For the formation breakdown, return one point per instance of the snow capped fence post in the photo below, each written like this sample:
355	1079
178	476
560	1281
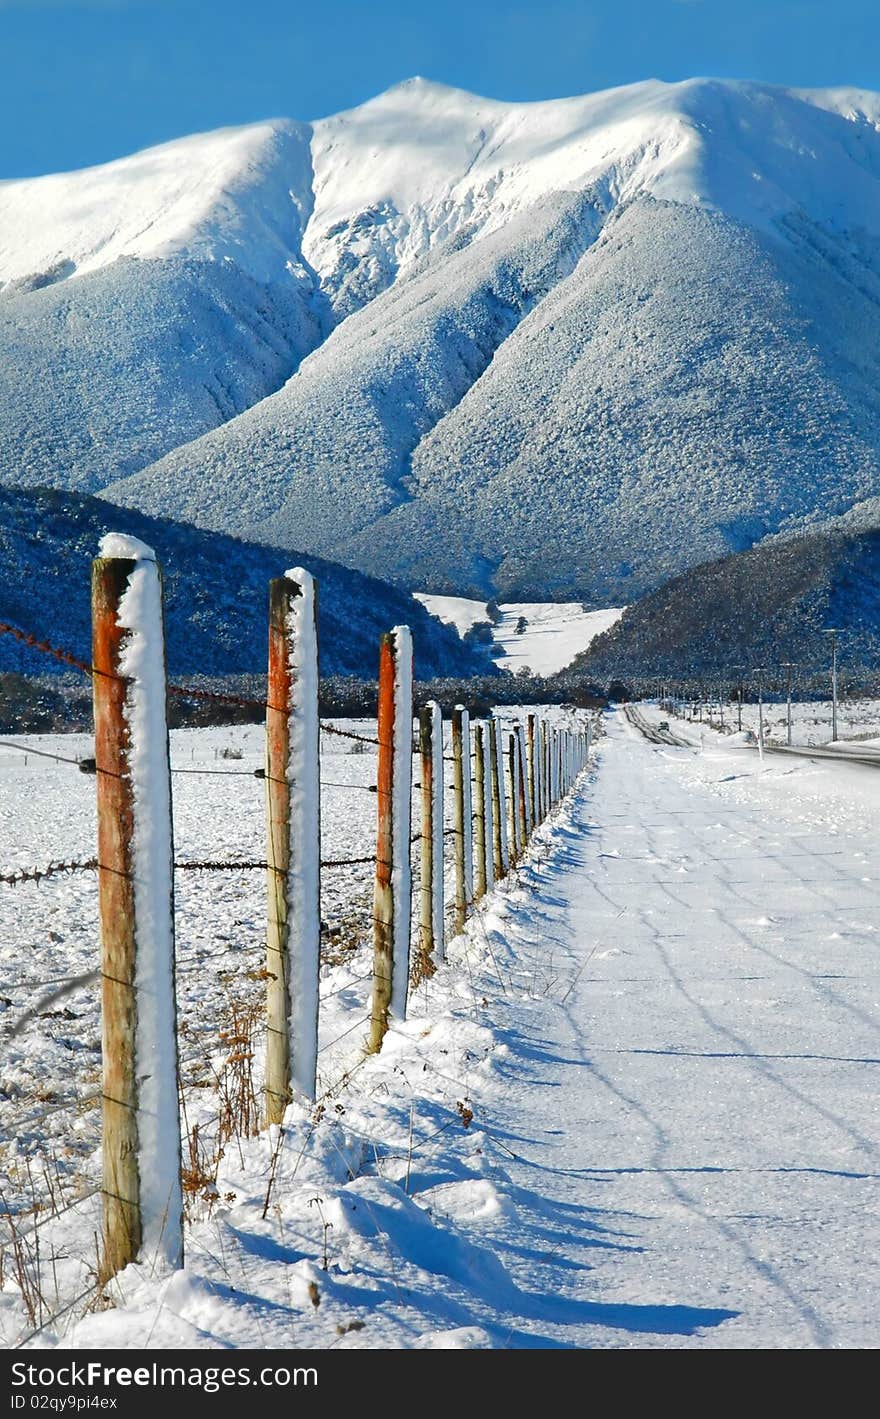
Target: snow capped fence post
142	1199
542	757
488	814
462	810
589	741
293	820
480	854
499	800
525	827
534	813
392	900
513	804
539	773
431	899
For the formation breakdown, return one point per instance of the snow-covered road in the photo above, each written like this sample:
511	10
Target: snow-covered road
697	1105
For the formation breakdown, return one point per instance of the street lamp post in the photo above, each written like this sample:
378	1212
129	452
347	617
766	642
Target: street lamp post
788	665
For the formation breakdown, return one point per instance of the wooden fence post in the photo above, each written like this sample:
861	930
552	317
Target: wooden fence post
142	1198
545	786
462	814
480	845
392	901
499	801
513	836
488	810
431	903
534	812
293	822
525	811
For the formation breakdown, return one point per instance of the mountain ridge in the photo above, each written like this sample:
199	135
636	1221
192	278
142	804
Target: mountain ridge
508	342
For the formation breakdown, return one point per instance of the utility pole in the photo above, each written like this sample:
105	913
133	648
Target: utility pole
788	666
833	632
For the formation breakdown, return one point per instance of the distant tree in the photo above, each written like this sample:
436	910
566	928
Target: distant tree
522	626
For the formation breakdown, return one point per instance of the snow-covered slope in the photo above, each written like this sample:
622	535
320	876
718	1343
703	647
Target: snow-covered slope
541	636
216	591
147	301
555	349
762	607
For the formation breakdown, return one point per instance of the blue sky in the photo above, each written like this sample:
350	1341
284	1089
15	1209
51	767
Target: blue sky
88	80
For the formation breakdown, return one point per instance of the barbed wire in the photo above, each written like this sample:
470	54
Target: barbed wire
190	692
348	734
37	874
46	648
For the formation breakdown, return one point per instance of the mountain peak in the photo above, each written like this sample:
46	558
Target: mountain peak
565	347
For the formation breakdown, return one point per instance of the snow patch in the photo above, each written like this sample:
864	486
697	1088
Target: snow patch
120	544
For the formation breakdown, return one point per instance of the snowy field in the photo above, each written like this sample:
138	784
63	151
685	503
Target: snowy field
541	636
49	1105
636	1109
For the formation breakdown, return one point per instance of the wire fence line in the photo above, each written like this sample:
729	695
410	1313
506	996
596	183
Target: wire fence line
215	1053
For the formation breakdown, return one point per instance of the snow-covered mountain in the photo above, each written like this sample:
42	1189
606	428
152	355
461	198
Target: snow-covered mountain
564	349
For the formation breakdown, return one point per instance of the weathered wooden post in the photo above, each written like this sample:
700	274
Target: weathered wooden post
500	858
488	811
462	821
525	808
431	900
141	1187
293	848
534	810
513	837
542	760
480	853
392	899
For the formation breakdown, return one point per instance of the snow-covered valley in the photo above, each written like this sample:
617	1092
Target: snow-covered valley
543	637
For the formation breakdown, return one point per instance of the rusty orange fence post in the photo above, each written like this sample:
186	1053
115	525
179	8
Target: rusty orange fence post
293	846
392	900
141	1185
